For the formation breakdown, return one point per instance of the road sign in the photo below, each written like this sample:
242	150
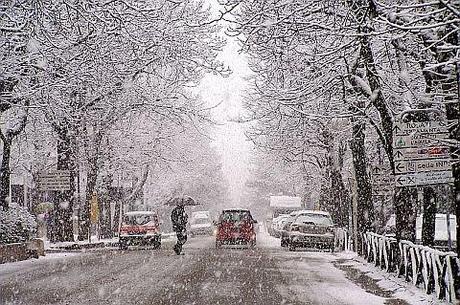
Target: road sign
428	127
382	190
382	181
378	170
419	140
419	154
435	152
424	178
417	166
54	180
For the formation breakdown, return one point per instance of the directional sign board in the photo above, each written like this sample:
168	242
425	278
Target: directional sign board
54	180
428	127
421	157
382	182
435	152
417	166
424	178
419	140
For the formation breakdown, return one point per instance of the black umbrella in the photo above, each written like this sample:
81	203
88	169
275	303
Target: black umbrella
185	200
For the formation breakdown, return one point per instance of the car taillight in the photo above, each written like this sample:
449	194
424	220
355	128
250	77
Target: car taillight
151	229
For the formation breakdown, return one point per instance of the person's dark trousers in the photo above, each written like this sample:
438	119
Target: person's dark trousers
181	239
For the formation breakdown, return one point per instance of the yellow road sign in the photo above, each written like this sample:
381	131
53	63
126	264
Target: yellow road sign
94	208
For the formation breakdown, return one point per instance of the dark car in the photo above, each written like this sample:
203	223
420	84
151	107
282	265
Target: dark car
235	227
312	229
140	228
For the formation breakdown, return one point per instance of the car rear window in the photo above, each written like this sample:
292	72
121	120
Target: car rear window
139	219
200	221
236	216
317	219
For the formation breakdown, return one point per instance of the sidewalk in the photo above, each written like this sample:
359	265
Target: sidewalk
95	243
381	283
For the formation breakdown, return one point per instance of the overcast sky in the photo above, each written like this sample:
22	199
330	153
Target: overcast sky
229	138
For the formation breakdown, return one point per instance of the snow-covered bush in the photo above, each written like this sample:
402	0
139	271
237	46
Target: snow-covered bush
16	225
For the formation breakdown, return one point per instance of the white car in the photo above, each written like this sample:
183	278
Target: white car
277	224
311	229
201	224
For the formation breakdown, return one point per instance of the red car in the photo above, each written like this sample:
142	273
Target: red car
140	228
235	226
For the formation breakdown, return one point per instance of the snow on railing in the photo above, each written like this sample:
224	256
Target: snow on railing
343	240
433	270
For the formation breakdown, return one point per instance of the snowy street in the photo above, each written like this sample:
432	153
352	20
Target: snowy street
204	275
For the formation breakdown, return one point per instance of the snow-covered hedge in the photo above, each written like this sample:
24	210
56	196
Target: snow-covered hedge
16	225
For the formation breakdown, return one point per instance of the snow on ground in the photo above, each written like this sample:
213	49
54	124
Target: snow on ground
311	271
15	266
308	272
165	237
400	288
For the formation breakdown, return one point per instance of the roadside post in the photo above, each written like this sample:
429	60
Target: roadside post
94	217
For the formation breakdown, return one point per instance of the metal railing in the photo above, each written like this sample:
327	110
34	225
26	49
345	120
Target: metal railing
432	270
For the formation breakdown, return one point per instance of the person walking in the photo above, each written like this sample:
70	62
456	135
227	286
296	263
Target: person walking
179	222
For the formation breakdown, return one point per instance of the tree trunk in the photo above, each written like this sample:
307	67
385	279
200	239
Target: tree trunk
406	213
429	216
5	173
116	215
105	215
365	217
85	220
63	204
93	150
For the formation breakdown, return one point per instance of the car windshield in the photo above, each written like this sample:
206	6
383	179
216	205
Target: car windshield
236	216
317	219
200	221
139	219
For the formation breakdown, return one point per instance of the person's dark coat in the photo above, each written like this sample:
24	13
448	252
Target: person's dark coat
179	222
179	219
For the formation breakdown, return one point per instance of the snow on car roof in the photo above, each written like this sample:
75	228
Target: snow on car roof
313	212
235	209
201	214
285	202
135	213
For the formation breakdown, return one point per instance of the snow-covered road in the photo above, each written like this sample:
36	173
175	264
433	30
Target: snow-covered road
204	275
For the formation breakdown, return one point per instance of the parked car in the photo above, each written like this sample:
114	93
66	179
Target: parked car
140	228
235	226
440	236
200	224
284	232
277	224
312	229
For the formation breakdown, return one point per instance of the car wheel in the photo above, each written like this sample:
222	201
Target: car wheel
291	247
253	243
332	249
218	244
